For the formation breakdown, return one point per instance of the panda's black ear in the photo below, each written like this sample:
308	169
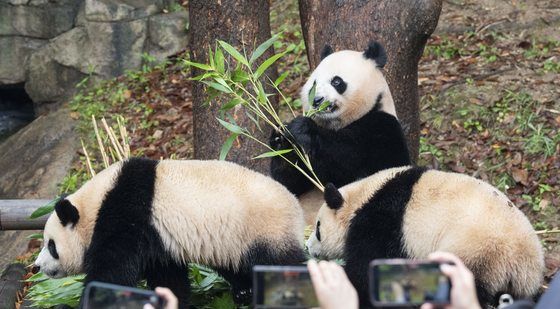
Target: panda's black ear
332	196
327	50
66	212
376	52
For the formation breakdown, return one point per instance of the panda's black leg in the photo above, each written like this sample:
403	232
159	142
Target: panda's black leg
170	275
241	284
113	266
357	270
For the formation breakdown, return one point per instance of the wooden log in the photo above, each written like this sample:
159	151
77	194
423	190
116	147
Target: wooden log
14	215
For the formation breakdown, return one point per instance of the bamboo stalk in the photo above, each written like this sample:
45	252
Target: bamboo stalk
88	160
546	232
100	143
112	138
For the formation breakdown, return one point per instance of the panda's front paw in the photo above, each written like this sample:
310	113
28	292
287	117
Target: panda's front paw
302	129
277	141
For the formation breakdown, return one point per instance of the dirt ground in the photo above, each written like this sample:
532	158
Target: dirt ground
490	107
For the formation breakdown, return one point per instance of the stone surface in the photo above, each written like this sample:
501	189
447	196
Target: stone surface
117	47
97	38
37	21
167	34
34	160
49	81
72	49
15	50
121	10
10	283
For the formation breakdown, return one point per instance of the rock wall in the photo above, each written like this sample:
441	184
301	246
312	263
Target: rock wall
51	45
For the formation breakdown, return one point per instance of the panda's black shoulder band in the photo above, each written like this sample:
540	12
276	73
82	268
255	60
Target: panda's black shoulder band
332	196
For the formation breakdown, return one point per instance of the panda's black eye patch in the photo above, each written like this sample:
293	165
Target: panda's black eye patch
339	84
317	232
52	249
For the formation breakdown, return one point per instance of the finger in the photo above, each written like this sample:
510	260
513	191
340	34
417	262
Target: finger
168	296
326	271
444	257
339	271
427	306
148	306
315	274
452	272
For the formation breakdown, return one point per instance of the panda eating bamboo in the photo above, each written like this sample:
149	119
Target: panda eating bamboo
148	219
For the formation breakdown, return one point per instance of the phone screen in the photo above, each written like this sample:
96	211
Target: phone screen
407	282
100	295
283	287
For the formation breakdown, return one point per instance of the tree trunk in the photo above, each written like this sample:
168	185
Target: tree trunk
244	24
403	28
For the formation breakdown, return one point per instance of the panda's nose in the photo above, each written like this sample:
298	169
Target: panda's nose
317	101
35	269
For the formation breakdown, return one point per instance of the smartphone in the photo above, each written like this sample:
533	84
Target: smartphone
98	295
283	287
401	282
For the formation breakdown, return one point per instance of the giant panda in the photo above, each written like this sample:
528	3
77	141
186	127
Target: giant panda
409	212
357	135
147	219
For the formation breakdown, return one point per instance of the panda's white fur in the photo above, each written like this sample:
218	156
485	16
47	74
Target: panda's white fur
231	208
72	241
445	212
215	213
365	82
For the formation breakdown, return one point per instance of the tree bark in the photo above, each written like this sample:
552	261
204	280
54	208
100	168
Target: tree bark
244	24
402	27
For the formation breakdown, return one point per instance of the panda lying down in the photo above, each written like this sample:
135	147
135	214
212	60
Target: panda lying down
148	219
409	212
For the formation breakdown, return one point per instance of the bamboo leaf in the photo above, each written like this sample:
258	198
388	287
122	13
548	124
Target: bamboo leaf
222	82
35	236
44	210
201	66
281	78
261	93
239	76
268	62
230	126
233	52
204	76
220	61
311	96
218	87
227	146
273	153
231	104
263	47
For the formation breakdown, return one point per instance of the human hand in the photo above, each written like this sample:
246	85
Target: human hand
463	291
170	299
332	287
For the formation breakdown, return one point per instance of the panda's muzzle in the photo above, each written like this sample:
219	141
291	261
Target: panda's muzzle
332	107
317	101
